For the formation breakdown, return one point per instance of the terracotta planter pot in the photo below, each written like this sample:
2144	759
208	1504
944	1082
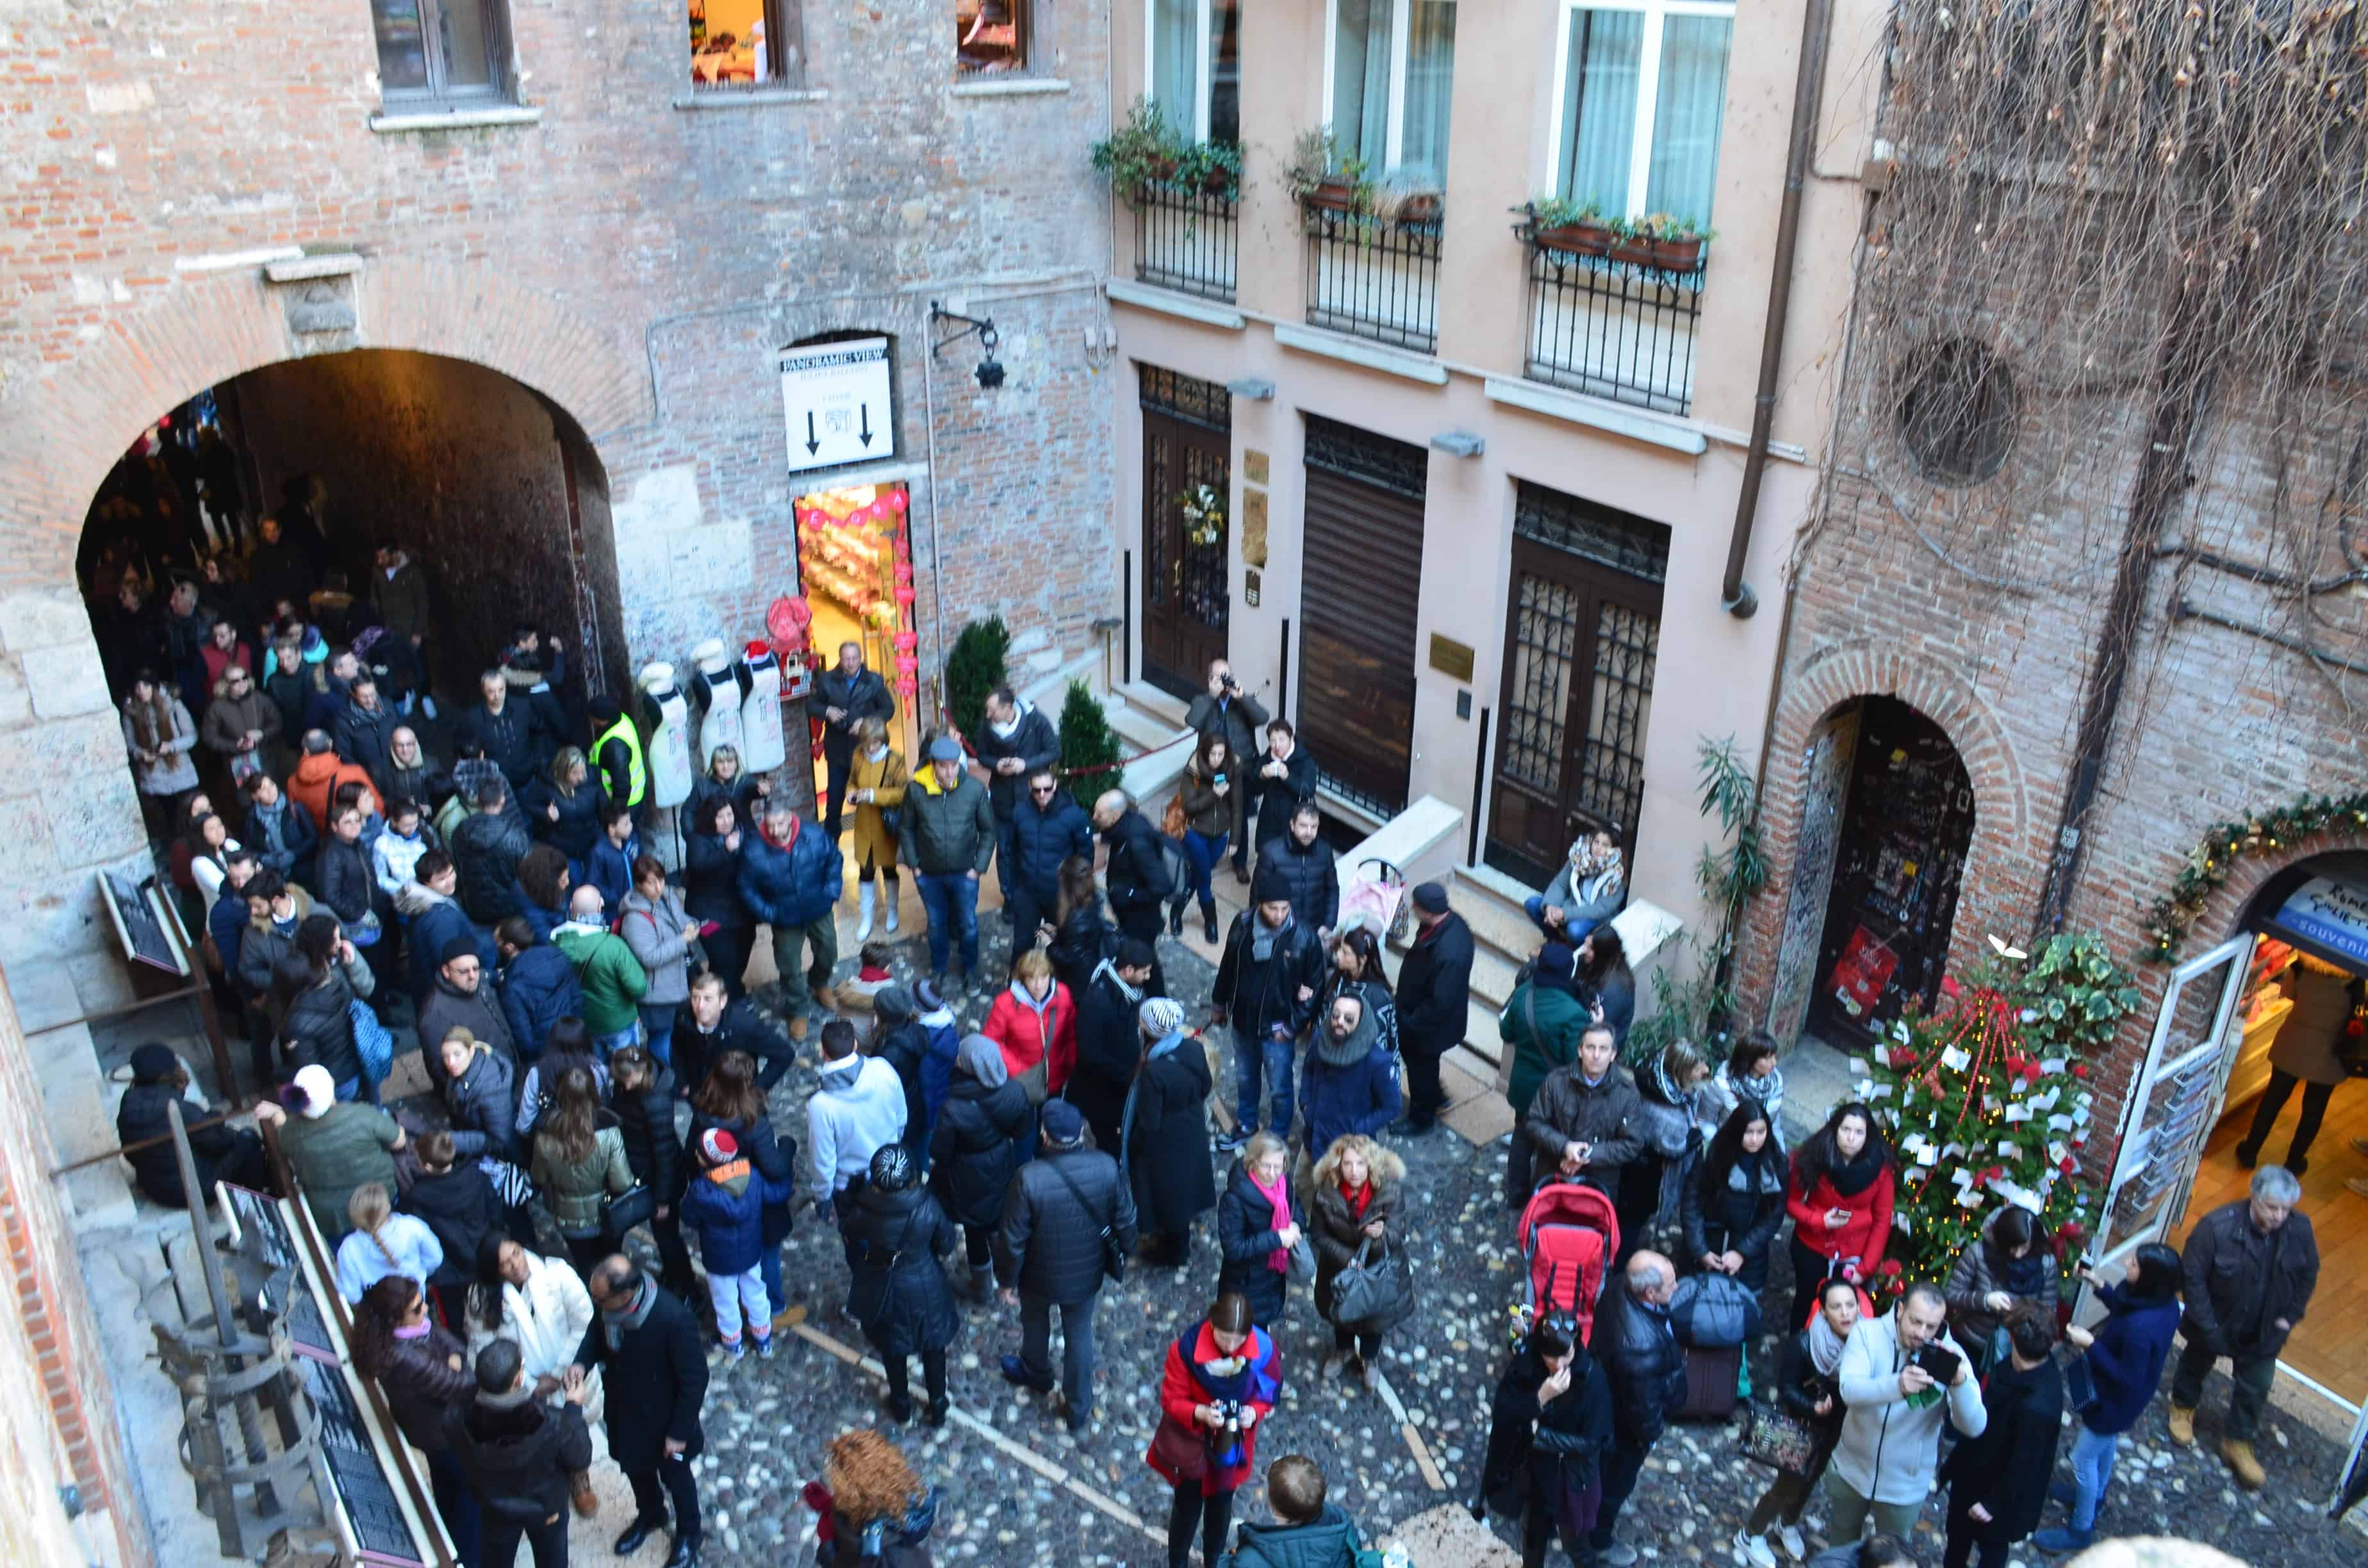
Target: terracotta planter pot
1216	182
1334	196
1677	255
1635	251
1576	238
1420	210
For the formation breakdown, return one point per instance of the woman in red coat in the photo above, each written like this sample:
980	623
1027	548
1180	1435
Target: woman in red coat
1035	1023
1839	1198
1224	1377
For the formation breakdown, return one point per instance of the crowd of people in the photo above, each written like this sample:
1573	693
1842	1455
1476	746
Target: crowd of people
568	989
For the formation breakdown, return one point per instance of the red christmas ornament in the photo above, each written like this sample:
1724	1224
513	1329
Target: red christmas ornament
1889	1266
2067	1164
2079	1069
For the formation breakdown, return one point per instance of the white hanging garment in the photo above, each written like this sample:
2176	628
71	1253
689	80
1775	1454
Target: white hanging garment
761	747
667	752
719	691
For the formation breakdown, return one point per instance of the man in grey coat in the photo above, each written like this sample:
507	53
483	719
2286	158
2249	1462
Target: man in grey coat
1050	1253
1891	1438
2250	1268
461	999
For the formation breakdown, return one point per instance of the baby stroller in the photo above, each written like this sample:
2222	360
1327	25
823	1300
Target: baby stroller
1568	1235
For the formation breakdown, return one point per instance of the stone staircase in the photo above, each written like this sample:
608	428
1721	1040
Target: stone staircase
1041	670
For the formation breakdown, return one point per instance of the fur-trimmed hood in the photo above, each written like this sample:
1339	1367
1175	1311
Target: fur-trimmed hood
1387	1169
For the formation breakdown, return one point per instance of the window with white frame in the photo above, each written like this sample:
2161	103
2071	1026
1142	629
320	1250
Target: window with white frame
1644	87
1390	77
1192	51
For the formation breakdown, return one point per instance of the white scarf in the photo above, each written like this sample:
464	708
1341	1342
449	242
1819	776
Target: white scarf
1824	1344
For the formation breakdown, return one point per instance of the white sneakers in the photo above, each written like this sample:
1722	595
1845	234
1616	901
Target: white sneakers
1755	1549
1794	1547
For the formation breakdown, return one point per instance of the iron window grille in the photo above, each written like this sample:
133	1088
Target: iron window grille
1187	239
1592	531
1617	329
1372	278
1400	467
1187	397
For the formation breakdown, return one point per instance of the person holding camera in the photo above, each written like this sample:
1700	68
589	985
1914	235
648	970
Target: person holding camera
1901	1375
1997	1480
1223	1378
1233	715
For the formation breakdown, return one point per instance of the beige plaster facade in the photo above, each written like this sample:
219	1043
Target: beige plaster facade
1713	676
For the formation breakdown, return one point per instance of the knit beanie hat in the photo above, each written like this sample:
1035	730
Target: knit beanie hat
717	1147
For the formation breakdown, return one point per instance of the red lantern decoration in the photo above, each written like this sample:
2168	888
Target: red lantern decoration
904	598
905	667
897	502
907	641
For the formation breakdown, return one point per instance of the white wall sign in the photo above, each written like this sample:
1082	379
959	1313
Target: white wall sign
837	403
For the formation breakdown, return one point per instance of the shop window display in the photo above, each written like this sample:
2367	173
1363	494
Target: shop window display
746	43
855	568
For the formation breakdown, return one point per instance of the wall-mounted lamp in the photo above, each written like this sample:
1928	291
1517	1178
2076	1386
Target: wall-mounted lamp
990	370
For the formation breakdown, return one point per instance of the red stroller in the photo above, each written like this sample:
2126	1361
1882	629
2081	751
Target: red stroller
1568	1235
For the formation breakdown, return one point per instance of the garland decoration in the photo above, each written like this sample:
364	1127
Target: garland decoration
2166	923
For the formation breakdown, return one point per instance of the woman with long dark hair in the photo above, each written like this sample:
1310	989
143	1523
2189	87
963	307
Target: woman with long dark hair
2125	1356
2008	1265
1222	1379
536	1302
1734	1205
732	1098
641	1096
1357	970
1606	981
710	887
579	1159
1840	1196
544	878
1213	812
422	1370
1081	938
1549	1427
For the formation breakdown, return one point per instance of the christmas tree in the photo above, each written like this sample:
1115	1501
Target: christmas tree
1089	746
1990	1099
974	669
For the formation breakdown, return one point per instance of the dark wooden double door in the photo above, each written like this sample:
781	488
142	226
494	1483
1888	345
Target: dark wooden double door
1187	587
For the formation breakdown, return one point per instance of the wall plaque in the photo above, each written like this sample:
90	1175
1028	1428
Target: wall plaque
1253	466
1253	528
1450	657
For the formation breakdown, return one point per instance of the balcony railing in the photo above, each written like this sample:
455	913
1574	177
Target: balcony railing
1614	327
1373	278
1186	239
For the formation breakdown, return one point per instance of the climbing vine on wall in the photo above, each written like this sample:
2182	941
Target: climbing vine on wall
2224	843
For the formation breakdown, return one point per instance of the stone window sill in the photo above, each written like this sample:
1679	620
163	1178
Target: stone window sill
1013	87
750	97
454	119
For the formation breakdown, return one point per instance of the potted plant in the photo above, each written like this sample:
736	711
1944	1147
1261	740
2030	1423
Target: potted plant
1144	150
1558	224
1676	243
1212	168
1320	175
1405	199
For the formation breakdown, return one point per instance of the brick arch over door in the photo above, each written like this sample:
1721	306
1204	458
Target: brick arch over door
62	429
1813	694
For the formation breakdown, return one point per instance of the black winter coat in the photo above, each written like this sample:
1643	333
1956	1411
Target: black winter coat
710	881
1079	947
896	1287
1168	1146
1565	1110
972	1150
518	1459
645	1121
538	988
2006	1468
1109	1040
1312	872
741	1028
1137	874
1042	840
1538	1451
2240	1282
655	1381
462	1209
1049	1244
346	885
1739	1219
905	1047
1279	798
1647	1365
578	823
1032	741
318	1029
421	1384
512	739
1435	986
1799	1389
486	848
1246	1224
1256	996
158	1169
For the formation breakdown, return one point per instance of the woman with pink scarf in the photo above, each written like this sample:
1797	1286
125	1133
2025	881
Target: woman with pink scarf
1258	1224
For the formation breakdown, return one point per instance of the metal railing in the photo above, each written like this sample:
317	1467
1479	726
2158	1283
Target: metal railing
1617	329
1186	239
1372	278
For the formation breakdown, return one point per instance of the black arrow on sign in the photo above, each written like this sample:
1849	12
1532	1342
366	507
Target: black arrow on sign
812	446
867	424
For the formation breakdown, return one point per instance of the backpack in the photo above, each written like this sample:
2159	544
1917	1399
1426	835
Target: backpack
1712	1312
372	1042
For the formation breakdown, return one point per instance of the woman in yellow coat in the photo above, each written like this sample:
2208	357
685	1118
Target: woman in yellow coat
875	786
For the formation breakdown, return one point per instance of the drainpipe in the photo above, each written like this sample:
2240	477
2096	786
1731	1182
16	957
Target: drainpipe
1736	596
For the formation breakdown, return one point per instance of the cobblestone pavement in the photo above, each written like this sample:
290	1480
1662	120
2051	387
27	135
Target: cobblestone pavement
767	1421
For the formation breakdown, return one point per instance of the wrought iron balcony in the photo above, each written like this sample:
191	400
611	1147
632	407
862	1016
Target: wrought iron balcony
1373	276
1186	239
1615	319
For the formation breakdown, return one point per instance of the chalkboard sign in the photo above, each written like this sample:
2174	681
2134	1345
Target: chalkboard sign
140	917
265	1236
380	1529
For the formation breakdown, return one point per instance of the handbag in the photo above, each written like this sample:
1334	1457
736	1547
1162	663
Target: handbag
1301	1270
1036	1083
2080	1384
1113	1256
1778	1438
1177	1453
1173	822
372	1042
637	1205
1379	1293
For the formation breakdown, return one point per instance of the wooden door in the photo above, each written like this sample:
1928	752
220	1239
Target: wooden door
1582	634
1187	584
1361	561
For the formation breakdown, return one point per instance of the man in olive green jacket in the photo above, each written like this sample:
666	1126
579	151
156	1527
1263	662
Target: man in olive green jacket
948	837
613	979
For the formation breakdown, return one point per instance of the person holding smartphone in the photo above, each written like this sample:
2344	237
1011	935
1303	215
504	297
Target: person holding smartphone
1900	1375
1841	1199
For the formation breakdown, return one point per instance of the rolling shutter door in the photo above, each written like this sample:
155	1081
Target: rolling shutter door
1362	565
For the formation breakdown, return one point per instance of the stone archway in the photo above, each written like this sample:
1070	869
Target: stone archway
1806	746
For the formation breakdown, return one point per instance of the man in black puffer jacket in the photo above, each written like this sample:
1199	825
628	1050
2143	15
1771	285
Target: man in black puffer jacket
1633	1339
520	1458
1137	877
486	850
1050	1252
1308	867
1266	987
1047	827
224	1154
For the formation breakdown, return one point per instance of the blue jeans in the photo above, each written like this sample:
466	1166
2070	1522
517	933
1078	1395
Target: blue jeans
1572	932
952	902
2093	1471
610	1044
1202	853
1250	1053
657	1028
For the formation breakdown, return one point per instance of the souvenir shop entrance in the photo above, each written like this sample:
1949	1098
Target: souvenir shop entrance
854	570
